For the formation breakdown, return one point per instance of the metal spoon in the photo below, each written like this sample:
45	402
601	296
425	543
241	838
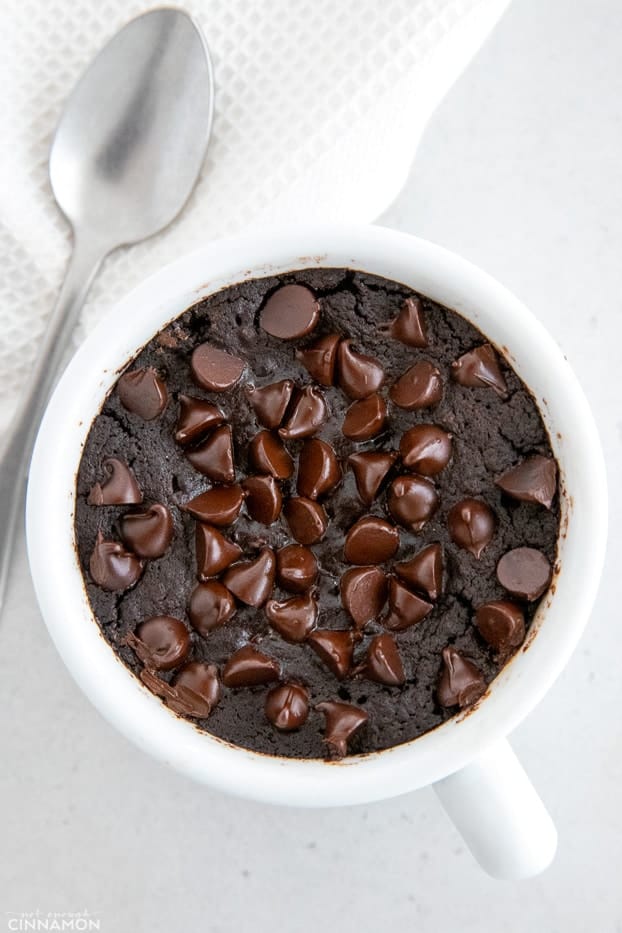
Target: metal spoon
125	158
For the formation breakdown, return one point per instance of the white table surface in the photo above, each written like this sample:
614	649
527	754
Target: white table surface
520	172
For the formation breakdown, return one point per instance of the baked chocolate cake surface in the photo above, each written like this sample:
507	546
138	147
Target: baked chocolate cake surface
475	490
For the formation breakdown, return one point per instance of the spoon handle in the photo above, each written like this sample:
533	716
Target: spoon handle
17	450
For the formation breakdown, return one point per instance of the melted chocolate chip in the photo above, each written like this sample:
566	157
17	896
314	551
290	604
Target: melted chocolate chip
334	648
383	662
287	707
365	418
268	454
215	369
419	387
196	418
119	487
409	325
252	581
318	469
524	572
424	571
143	392
214	457
214	552
270	402
479	368
249	667
359	375
371	540
405	608
319	359
194	692
307	519
211	605
370	468
308	416
296	568
148	533
291	311
533	480
263	498
161	643
294	619
461	683
502	624
412	500
343	720
363	593
471	525
112	567
426	449
218	506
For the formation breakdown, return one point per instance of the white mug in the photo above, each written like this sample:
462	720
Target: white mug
468	760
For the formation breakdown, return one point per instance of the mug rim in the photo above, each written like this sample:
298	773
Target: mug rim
519	686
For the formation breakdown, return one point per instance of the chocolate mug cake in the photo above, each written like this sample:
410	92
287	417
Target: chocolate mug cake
316	514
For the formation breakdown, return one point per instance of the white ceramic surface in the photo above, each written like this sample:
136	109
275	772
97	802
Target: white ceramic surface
560	619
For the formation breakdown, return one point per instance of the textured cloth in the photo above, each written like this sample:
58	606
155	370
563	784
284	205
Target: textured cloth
319	108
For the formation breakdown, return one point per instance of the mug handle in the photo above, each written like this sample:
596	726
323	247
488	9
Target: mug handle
496	809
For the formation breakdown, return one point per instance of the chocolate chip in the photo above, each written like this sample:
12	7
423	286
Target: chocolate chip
365	418
370	468
287	707
501	623
263	498
533	480
143	392
334	648
412	500
419	387
149	532
215	369
291	311
309	414
371	540
161	643
461	682
214	552
342	721
383	662
112	567
320	358
211	605
479	368
471	525
306	518
196	418
218	506
424	571
524	572
194	692
296	568
294	619
363	593
119	487
405	608
270	402
249	667
426	449
214	457
318	469
252	581
358	375
268	454
409	325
